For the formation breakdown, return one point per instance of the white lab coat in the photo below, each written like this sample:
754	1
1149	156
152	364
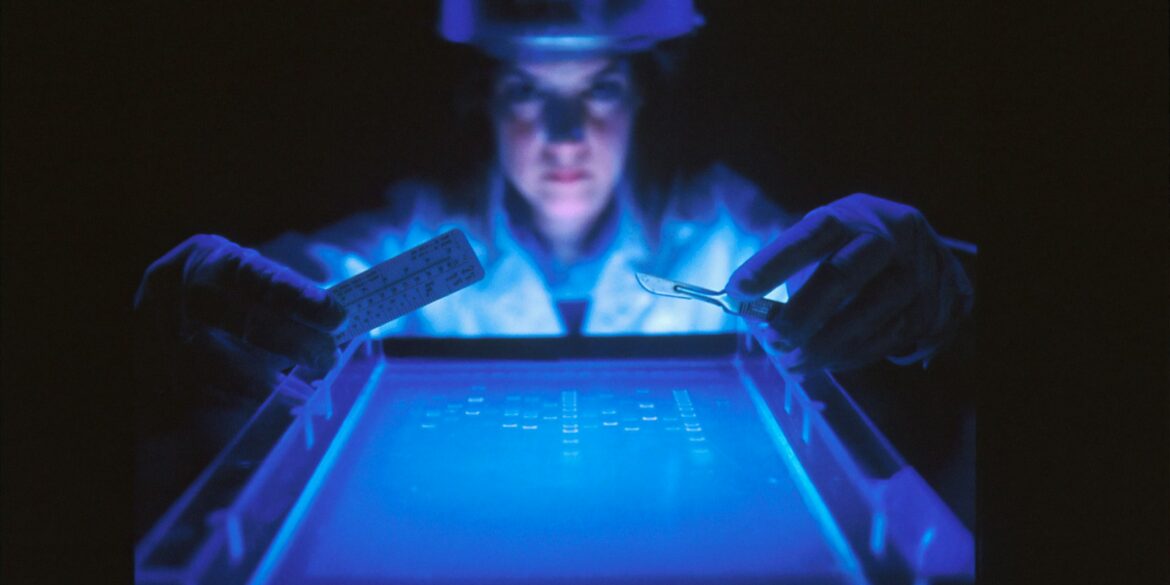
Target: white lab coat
707	228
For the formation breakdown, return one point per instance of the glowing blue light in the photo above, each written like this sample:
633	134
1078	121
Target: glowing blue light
877	535
565	43
273	557
807	491
496	497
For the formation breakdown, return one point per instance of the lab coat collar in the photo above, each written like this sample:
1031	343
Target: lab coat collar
616	300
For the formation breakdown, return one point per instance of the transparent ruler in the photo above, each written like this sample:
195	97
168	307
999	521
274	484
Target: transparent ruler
406	282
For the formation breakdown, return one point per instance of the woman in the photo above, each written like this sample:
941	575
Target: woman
557	219
563	216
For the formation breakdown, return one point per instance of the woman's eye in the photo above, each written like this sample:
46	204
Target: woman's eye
607	91
516	93
520	99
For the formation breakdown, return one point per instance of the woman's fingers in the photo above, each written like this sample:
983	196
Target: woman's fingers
258	325
811	239
282	291
837	280
869	327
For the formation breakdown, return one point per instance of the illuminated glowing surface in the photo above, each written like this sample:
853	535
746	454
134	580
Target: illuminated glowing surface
548	471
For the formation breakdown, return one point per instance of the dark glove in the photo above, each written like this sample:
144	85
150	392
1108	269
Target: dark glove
215	316
885	286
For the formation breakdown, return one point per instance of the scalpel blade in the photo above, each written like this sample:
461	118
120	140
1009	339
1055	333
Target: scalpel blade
759	309
660	286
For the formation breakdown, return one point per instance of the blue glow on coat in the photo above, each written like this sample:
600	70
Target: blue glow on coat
702	237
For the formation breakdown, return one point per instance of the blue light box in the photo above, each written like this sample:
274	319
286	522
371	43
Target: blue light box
703	465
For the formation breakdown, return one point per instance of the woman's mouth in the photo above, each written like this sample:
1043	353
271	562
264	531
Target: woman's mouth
565	175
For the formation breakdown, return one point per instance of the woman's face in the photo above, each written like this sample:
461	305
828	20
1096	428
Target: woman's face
562	132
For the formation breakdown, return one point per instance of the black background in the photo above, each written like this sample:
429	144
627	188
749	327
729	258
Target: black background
1041	135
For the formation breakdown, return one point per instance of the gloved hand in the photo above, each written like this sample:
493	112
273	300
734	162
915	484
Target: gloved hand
885	286
213	315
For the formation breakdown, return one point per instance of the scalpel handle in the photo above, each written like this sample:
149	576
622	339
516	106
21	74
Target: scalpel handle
760	309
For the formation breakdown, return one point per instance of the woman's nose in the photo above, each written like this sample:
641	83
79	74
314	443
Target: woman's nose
564	120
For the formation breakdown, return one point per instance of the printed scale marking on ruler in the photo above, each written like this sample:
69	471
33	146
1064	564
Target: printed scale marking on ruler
408	281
